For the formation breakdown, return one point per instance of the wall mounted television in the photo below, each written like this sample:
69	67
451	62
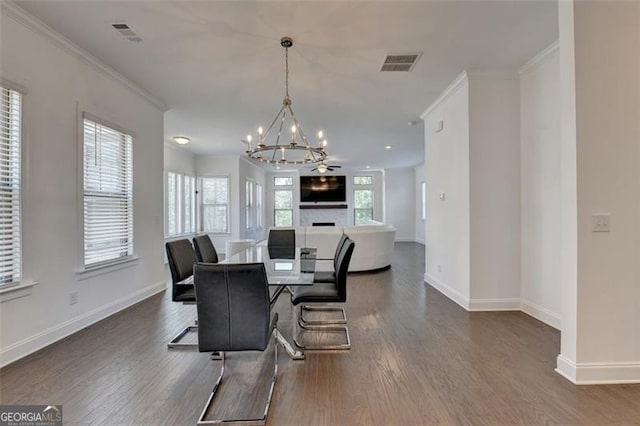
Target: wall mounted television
323	188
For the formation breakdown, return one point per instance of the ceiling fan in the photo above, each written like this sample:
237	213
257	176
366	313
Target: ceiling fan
323	167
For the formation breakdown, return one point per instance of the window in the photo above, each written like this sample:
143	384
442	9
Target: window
424	200
215	204
283	202
180	204
108	194
363	180
10	174
363	206
259	211
283	181
283	213
362	199
249	206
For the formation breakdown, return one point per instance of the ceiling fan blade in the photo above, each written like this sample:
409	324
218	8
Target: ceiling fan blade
336	167
313	170
330	169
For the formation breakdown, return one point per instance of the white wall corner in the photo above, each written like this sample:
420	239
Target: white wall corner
539	57
506	304
33	23
599	373
448	291
543	314
451	89
51	335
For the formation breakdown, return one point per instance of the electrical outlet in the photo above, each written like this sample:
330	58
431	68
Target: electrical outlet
600	222
73	298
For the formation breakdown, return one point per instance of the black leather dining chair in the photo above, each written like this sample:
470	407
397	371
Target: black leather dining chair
181	258
234	315
330	276
205	250
281	243
324	293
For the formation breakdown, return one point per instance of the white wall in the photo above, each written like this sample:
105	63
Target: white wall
600	61
61	85
400	202
420	175
179	160
494	158
540	192
447	244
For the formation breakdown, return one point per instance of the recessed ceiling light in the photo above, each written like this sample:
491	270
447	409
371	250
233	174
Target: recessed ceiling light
181	140
367	166
387	147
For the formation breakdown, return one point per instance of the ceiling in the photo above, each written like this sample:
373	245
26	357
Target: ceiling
220	68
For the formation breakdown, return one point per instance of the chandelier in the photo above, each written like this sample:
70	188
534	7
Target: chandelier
292	147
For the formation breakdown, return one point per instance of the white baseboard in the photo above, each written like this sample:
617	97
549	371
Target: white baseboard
598	373
51	335
419	241
451	293
494	304
542	314
405	240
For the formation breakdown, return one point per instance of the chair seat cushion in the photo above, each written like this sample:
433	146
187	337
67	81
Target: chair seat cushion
184	293
316	293
324	277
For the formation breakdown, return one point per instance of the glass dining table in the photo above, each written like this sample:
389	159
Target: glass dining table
284	267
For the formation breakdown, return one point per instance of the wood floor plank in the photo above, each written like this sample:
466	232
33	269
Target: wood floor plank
416	358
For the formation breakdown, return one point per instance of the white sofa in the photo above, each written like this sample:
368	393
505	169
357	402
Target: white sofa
373	250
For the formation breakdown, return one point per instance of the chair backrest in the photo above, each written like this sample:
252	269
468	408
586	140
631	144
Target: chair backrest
205	251
343	239
181	258
233	307
343	266
282	238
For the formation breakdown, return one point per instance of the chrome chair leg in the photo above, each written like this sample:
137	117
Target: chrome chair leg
175	343
323	308
260	421
302	328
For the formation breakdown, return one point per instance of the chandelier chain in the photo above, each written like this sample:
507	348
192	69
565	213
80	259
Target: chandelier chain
286	73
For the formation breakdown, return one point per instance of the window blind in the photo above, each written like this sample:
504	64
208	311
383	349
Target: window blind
108	194
10	146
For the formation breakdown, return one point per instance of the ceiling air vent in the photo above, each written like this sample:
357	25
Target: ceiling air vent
126	31
403	62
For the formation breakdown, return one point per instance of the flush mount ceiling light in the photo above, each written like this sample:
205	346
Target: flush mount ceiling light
387	147
181	140
280	149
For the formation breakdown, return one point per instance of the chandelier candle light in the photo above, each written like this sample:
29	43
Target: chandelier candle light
295	150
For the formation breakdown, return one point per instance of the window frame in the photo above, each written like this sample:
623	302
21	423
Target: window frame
17	280
181	204
259	207
202	204
249	204
131	255
284	188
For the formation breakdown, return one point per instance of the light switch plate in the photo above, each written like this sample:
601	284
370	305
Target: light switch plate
600	222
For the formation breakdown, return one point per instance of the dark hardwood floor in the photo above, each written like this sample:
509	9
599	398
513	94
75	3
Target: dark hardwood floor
417	358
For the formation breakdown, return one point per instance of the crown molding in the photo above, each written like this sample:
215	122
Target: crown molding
20	15
491	75
539	57
452	88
